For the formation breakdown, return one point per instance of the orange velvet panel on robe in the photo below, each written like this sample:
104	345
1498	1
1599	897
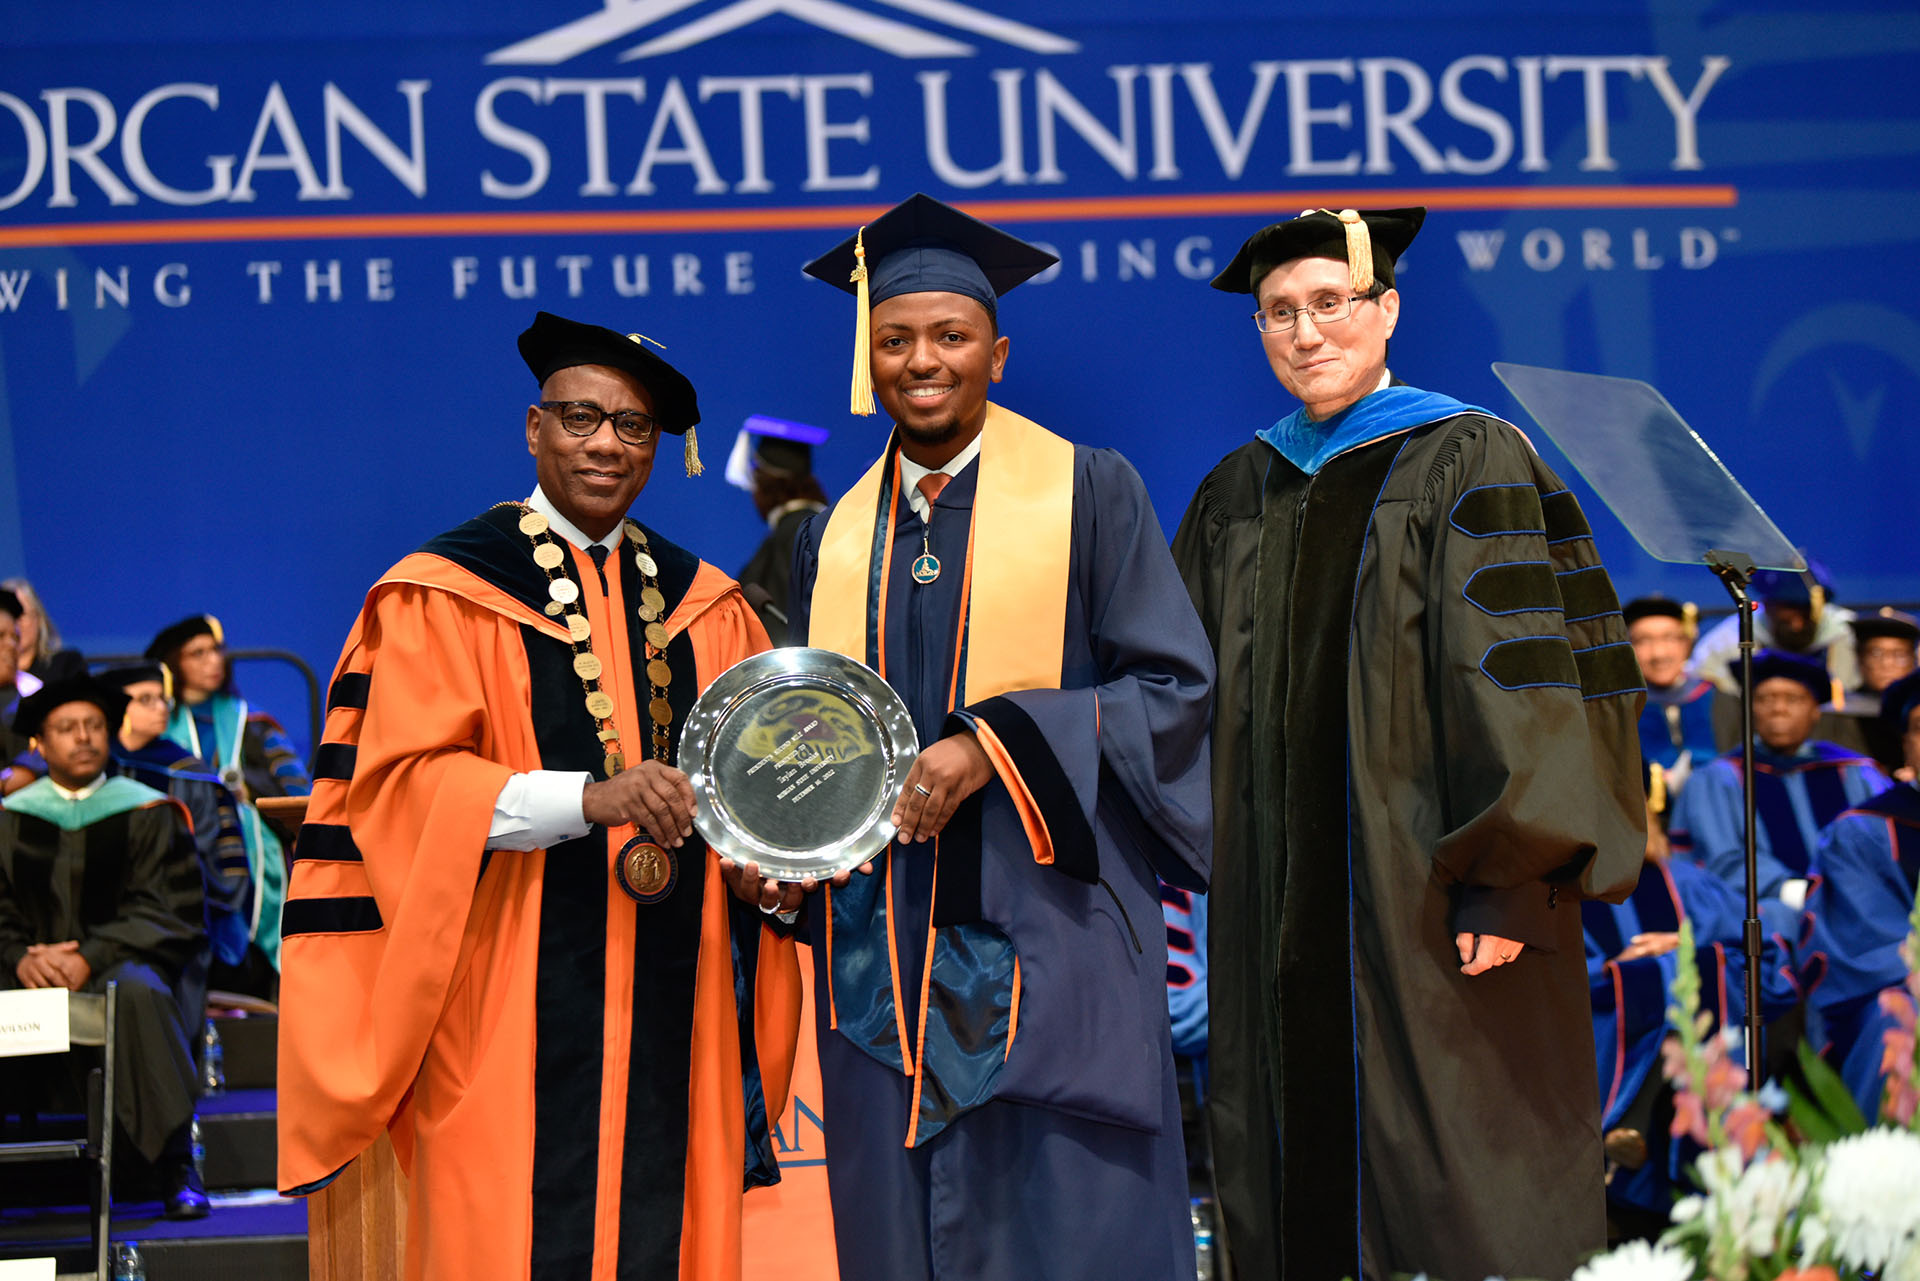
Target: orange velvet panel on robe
425	1025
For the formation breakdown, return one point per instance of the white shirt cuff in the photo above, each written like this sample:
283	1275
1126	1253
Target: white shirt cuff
538	809
1794	894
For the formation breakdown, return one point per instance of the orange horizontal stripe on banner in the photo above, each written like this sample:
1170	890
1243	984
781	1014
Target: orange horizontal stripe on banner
632	221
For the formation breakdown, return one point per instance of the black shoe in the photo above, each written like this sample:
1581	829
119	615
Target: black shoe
186	1197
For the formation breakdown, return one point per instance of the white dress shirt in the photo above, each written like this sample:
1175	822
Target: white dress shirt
81	794
541	807
911	472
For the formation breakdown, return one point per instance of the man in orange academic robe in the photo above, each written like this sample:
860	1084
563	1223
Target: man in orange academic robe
577	1079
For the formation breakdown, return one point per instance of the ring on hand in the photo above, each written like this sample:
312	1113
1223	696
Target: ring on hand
923	789
1508	956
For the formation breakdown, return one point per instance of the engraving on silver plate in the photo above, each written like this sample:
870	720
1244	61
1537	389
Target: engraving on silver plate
797	757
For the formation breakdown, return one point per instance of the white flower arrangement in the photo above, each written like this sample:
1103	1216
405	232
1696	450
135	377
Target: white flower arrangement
1638	1261
1870	1199
1828	1200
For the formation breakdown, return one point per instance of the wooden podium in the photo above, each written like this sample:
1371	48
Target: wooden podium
356	1225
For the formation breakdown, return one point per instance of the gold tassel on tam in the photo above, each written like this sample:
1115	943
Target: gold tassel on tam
219	632
1359	250
1690	621
1656	789
861	401
691	451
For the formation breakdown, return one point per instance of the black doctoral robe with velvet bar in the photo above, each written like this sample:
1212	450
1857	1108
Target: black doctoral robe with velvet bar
126	886
1425	724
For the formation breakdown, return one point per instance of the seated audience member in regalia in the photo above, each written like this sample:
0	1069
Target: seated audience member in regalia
1884	643
99	883
1868	865
142	752
247	748
1677	724
14	685
1797	616
1631	964
38	636
1800	785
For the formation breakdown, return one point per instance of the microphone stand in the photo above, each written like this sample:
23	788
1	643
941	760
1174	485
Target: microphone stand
1735	571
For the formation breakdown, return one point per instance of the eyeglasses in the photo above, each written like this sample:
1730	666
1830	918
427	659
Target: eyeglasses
583	418
1327	309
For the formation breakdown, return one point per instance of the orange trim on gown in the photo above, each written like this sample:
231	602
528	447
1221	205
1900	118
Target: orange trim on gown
425	1026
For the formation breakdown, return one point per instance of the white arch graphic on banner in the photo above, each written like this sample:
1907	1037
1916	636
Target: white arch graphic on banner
623	18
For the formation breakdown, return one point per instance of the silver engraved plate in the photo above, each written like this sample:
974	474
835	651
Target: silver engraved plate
798	757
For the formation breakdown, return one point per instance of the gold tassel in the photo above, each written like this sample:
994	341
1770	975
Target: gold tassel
166	682
1656	789
861	401
1690	621
1359	250
1837	692
691	451
1816	598
219	634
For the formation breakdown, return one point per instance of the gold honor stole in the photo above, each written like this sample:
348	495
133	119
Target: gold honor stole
1022	538
1013	632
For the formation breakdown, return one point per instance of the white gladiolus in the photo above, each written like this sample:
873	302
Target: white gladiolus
1766	1194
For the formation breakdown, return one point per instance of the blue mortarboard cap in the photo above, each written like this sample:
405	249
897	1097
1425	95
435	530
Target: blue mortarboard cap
1887	622
922	246
1794	587
1780	664
768	444
1897	703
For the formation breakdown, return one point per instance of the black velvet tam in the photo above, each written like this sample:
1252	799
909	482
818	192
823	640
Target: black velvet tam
36	707
1319	234
553	343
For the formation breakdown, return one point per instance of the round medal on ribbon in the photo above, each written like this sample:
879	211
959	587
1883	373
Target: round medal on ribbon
646	870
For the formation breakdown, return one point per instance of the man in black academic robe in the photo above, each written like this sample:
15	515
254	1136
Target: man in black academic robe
1424	757
99	883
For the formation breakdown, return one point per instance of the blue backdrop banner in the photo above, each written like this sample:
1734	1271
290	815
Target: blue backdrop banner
261	269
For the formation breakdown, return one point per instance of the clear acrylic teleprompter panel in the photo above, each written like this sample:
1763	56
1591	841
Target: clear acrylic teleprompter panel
1651	469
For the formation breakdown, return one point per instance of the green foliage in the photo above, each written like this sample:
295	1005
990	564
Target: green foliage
1823	1110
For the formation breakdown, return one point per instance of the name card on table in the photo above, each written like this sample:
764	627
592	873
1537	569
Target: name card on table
33	1021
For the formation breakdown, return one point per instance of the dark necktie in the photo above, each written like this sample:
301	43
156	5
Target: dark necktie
599	554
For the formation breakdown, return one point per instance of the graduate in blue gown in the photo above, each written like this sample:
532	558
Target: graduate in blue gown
994	1042
1800	785
1868	865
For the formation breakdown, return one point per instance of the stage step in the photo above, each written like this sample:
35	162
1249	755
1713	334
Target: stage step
248	1237
237	1128
250	1045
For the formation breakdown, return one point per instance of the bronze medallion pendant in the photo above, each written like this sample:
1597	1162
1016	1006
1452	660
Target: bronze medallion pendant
647	871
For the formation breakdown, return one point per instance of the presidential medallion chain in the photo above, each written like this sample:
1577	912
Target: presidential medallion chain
564	604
